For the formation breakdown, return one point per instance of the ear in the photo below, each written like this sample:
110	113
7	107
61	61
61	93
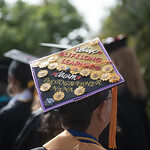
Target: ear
100	111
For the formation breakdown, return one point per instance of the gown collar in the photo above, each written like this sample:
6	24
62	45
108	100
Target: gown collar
83	137
23	96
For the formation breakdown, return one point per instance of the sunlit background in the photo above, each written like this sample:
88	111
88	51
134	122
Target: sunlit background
92	11
25	23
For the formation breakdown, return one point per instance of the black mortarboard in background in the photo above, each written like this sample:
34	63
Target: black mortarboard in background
113	43
20	56
19	67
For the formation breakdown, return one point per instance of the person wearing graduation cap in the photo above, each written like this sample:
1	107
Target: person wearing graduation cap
16	112
133	125
4	98
81	84
39	128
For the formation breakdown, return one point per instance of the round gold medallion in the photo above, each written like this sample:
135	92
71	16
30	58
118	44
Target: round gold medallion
58	96
74	70
43	64
53	58
107	68
85	72
42	73
45	87
52	66
61	67
105	76
35	64
114	78
79	91
95	75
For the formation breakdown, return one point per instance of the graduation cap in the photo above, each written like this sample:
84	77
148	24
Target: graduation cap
20	56
14	55
74	74
55	45
23	58
113	43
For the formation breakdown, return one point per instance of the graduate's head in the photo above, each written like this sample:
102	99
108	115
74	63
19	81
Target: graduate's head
127	64
81	114
19	74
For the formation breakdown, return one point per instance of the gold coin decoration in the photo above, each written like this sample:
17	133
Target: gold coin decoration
52	66
114	78
43	64
42	73
53	58
94	41
85	72
105	76
61	67
75	71
58	96
79	91
95	75
45	87
107	68
35	64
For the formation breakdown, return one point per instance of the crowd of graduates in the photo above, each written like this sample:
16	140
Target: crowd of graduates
23	126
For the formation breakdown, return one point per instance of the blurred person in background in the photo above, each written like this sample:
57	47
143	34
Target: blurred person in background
38	130
4	98
14	115
133	126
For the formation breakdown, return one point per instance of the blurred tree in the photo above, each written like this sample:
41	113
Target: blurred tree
131	17
23	26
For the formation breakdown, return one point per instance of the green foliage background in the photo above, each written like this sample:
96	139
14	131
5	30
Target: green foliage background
23	26
131	17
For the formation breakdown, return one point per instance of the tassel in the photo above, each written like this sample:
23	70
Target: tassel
30	84
112	129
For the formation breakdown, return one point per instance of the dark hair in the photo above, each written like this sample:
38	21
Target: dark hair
77	115
20	71
50	125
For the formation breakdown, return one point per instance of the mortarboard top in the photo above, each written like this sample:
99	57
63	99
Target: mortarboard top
84	65
20	56
73	74
55	45
113	43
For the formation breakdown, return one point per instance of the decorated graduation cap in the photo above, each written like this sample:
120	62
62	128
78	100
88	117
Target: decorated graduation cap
74	74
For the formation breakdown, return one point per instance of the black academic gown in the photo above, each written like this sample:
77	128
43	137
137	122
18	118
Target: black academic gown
12	119
37	131
29	137
133	125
